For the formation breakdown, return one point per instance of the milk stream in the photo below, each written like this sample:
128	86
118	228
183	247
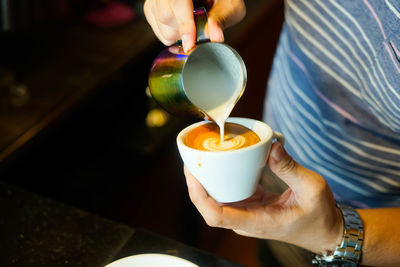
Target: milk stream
214	82
220	114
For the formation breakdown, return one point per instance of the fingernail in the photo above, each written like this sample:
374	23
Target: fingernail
278	152
186	42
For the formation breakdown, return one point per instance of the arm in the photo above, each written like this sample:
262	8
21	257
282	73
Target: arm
304	215
172	20
381	236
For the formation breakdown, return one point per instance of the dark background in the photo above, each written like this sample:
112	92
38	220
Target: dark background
80	137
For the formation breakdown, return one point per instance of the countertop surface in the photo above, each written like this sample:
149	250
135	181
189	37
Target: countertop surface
38	231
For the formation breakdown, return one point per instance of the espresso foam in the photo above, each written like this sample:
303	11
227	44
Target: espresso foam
207	137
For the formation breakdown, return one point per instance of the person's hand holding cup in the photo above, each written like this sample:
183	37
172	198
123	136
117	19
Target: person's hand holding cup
304	214
233	174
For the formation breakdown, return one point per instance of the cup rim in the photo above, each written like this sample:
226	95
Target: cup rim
182	133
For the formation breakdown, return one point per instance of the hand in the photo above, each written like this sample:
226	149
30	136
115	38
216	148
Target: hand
172	20
304	215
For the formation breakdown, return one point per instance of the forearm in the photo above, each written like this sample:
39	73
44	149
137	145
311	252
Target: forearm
381	245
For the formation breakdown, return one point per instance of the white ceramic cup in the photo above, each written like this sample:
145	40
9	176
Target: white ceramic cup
230	176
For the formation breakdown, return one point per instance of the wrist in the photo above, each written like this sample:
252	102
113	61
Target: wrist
337	231
348	252
332	236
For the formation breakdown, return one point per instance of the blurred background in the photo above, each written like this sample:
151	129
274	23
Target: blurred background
78	125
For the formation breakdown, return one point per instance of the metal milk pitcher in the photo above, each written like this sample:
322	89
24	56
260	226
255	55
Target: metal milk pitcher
198	82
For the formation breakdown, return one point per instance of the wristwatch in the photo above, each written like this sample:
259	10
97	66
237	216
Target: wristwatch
348	253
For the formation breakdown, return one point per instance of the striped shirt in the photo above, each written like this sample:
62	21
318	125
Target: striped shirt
334	92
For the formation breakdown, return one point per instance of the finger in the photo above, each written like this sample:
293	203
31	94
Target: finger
166	21
165	14
215	214
183	10
306	184
169	34
226	13
284	166
196	190
215	31
149	11
206	205
245	233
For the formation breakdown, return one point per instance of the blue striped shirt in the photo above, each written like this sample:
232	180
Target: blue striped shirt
334	92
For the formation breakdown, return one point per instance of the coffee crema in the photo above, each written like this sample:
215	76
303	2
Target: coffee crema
207	137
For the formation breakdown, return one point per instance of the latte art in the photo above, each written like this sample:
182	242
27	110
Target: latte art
207	137
230	143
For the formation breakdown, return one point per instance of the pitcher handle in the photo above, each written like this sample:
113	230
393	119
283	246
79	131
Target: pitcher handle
200	19
279	137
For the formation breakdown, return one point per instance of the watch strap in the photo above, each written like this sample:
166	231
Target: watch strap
353	235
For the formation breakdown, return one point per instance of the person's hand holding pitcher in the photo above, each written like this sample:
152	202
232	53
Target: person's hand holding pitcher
172	20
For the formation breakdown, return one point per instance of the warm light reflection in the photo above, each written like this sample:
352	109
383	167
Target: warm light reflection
148	93
156	118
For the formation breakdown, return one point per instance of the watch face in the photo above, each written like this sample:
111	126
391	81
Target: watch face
339	263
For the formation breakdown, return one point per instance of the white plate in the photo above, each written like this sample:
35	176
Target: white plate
151	260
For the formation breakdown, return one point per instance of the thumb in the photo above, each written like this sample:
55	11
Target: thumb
285	167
